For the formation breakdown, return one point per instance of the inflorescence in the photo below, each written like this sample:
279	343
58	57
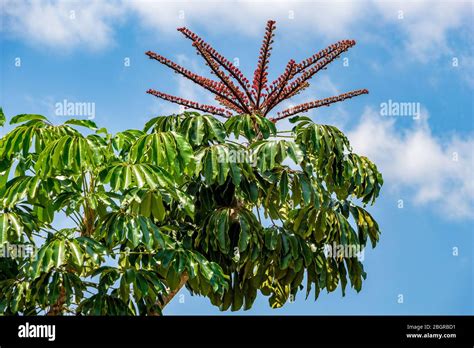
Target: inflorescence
237	95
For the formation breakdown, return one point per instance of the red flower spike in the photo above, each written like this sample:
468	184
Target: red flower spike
235	93
309	73
190	104
221	60
228	105
318	103
226	81
278	85
211	85
260	74
323	53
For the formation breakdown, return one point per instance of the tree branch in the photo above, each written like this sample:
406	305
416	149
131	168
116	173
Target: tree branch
58	307
167	299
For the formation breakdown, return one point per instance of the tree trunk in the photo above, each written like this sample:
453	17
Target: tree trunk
167	299
57	307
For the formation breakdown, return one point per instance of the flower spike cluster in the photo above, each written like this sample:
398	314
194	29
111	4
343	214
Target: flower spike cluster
234	92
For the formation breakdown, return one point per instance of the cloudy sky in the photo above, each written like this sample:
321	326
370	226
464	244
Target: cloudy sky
417	54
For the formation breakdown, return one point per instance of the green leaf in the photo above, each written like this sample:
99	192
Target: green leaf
16	225
243	125
141	283
145	206
223	230
3	229
49	256
83	123
167	257
58	253
271	238
26	117
180	263
124	289
320	226
2	118
283	187
130	275
244	236
158	208
76	253
168	150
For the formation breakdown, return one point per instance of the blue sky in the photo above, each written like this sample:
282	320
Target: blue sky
418	52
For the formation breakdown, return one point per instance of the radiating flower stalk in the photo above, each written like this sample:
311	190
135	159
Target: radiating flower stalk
234	92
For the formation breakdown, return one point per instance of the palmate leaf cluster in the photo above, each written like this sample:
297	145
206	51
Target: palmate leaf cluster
142	210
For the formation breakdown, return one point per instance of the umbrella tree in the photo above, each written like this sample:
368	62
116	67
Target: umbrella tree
222	202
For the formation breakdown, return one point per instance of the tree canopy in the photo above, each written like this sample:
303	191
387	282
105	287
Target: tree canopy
150	210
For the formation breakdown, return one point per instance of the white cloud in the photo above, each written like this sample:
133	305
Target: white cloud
248	17
426	24
415	161
61	24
